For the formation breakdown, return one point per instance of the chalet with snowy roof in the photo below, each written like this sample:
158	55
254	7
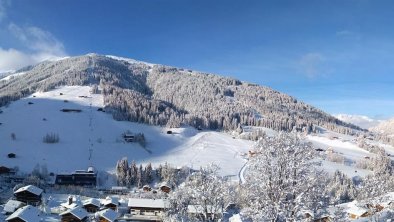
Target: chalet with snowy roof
72	202
355	212
29	194
12	205
110	203
154	207
91	205
107	215
25	214
164	187
85	178
77	214
146	188
319	216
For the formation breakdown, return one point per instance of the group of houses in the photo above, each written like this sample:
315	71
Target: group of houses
27	205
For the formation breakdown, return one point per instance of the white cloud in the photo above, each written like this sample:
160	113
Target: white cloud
10	59
38	44
311	64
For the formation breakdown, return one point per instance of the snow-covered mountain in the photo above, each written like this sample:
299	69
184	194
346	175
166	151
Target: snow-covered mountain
359	120
385	127
163	95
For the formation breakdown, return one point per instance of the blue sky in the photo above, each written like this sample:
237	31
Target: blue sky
336	55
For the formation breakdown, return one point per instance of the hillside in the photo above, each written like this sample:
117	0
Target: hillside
93	138
163	95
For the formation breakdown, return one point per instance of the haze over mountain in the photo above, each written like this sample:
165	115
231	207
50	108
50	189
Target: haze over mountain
364	122
164	95
385	127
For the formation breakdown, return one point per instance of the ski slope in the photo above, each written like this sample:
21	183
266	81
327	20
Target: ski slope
93	138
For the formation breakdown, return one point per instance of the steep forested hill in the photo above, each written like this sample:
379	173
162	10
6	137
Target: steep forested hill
164	95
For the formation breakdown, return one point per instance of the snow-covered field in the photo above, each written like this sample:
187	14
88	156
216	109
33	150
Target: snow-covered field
95	130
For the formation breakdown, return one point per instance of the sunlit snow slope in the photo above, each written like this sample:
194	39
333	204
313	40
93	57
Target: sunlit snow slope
95	130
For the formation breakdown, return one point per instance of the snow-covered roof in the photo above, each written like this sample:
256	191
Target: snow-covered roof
78	212
148	203
30	188
12	205
110	200
69	206
26	213
235	218
109	214
92	201
358	211
198	209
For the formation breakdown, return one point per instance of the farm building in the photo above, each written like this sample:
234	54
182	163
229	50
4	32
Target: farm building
77	214
86	178
24	214
152	207
91	205
107	215
29	194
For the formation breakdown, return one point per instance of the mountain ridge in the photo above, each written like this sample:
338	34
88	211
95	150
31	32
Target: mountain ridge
165	95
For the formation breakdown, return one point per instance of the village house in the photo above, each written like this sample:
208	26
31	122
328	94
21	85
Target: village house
29	194
91	205
77	214
164	187
147	207
25	214
355	212
110	203
146	188
107	215
85	178
12	205
319	216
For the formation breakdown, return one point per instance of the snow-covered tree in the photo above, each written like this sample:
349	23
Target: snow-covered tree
282	179
204	190
122	167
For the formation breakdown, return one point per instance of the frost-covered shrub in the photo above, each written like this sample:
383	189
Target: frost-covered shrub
51	138
335	157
